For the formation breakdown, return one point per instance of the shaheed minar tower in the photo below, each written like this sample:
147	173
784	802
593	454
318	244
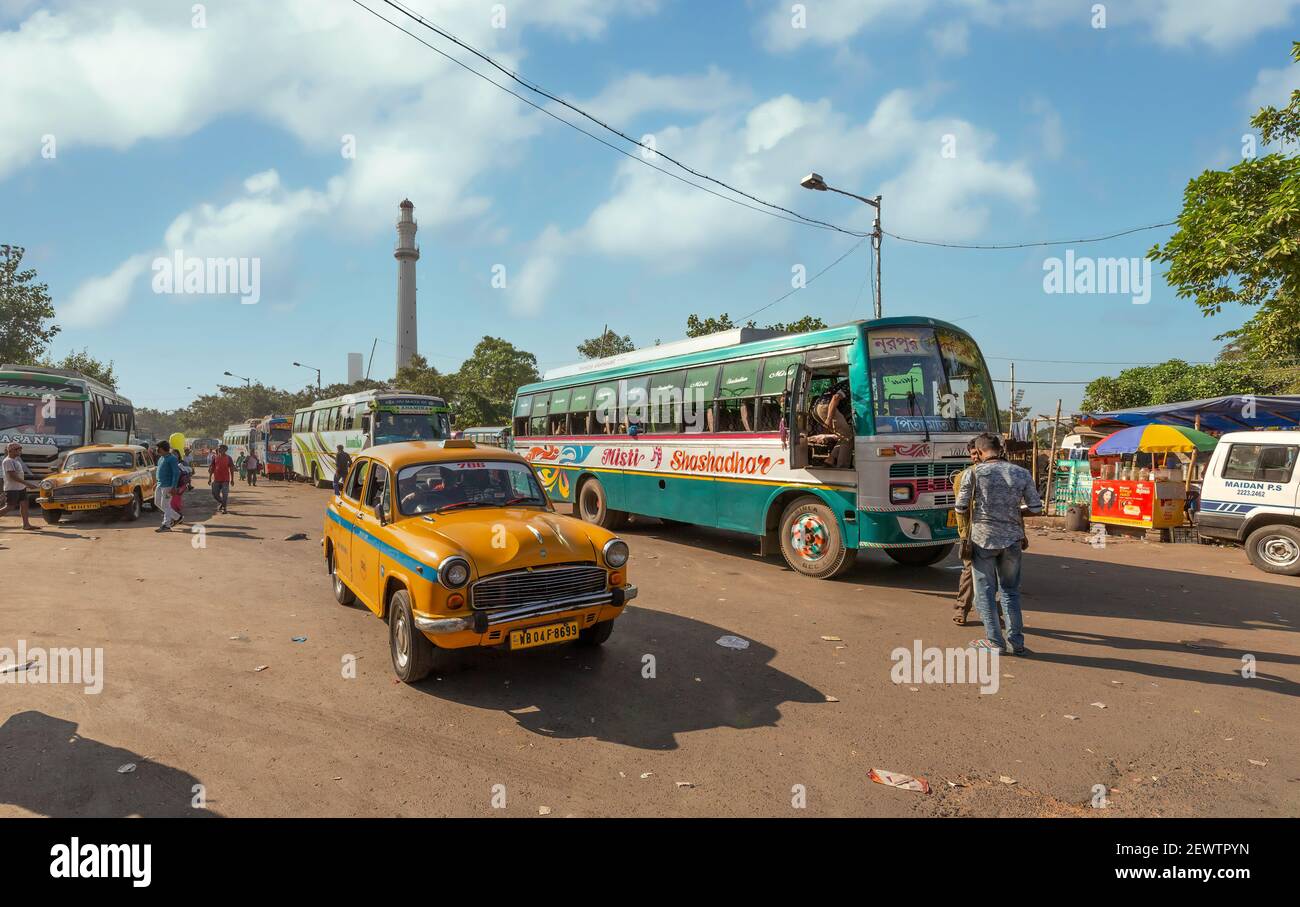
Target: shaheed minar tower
407	254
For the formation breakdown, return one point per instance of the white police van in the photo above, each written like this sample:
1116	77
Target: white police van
1251	495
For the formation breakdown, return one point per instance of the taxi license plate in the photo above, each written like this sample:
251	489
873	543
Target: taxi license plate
544	635
81	506
952	518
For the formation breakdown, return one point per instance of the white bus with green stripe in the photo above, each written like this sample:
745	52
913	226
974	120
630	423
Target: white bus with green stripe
359	421
724	431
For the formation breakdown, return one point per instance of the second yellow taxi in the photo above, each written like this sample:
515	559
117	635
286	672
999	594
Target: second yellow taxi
115	477
457	545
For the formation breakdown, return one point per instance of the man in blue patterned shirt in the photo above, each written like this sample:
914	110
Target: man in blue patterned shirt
992	492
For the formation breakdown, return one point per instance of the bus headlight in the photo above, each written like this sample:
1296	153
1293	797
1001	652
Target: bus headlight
901	494
615	553
453	572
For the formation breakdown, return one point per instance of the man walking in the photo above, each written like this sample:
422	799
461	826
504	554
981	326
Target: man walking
16	485
342	463
966	583
168	477
221	472
991	493
252	464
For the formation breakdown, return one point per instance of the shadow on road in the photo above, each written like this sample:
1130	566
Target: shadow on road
569	692
48	769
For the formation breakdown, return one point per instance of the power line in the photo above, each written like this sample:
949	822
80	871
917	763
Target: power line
1023	381
806	282
537	89
1026	245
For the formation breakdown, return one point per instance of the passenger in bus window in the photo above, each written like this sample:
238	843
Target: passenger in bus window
832	410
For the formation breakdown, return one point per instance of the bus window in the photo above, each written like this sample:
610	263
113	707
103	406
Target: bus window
697	399
632	408
605	404
558	417
665	402
771	390
523	406
582	416
539	420
735	401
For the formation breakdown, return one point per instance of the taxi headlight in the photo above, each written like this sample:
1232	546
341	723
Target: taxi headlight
119	481
615	553
453	572
46	485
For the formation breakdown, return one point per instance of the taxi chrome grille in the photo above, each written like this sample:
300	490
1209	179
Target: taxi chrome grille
72	492
540	586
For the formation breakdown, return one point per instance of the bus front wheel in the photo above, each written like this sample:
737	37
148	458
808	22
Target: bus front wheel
920	556
592	505
811	540
316	479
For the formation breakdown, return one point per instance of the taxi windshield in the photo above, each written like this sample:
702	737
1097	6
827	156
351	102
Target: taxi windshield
101	459
438	487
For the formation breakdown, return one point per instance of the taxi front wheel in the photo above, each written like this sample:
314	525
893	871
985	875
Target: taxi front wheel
596	636
411	650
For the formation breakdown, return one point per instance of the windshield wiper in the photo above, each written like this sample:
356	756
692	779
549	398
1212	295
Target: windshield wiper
521	499
454	505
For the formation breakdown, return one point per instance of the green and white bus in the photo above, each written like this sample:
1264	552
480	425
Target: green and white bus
358	421
734	431
51	411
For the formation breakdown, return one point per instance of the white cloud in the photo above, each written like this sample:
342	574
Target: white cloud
670	226
97	300
637	93
952	39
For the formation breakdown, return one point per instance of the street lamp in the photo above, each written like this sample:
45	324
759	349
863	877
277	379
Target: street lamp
311	368
248	382
815	181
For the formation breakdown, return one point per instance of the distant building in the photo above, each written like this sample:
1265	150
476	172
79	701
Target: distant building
354	367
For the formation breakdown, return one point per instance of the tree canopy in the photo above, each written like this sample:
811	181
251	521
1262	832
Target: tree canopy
607	344
1176	380
26	310
698	327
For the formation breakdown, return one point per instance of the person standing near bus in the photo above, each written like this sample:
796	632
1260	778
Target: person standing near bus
342	463
221	471
251	465
239	465
832	410
992	494
966	582
16	485
169	475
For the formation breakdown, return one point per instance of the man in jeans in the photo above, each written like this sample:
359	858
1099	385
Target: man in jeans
221	471
992	492
168	476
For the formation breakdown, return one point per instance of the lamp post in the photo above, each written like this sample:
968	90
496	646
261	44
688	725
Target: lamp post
311	368
815	181
248	382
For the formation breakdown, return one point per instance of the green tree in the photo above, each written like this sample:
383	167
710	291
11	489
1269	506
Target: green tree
1238	239
484	388
698	327
1176	380
82	361
607	344
26	311
419	377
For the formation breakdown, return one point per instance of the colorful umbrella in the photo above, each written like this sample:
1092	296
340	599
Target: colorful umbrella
1153	439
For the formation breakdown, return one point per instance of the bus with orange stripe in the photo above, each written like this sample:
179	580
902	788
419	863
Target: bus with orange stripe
818	444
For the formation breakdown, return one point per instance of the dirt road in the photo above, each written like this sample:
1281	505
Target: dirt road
1156	634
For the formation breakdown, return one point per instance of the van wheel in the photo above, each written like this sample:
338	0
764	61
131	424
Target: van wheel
411	650
596	636
811	540
131	512
342	594
51	516
593	506
920	556
1275	549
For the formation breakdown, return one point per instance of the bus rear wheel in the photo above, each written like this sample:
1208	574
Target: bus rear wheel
316	479
811	541
920	556
592	505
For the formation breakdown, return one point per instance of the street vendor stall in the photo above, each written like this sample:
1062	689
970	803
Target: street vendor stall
1136	483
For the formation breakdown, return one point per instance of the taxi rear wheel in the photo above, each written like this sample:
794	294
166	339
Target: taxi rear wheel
411	650
596	636
342	594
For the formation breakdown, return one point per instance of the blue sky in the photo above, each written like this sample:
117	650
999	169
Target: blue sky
226	140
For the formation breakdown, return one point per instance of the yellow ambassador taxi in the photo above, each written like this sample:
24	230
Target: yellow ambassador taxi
457	545
97	477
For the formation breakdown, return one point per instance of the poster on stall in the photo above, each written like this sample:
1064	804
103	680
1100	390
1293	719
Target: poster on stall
1123	503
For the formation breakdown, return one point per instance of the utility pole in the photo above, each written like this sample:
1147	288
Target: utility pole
1012	420
815	181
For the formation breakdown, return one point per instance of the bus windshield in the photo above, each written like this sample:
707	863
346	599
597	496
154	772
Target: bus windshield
393	427
30	416
281	434
929	379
